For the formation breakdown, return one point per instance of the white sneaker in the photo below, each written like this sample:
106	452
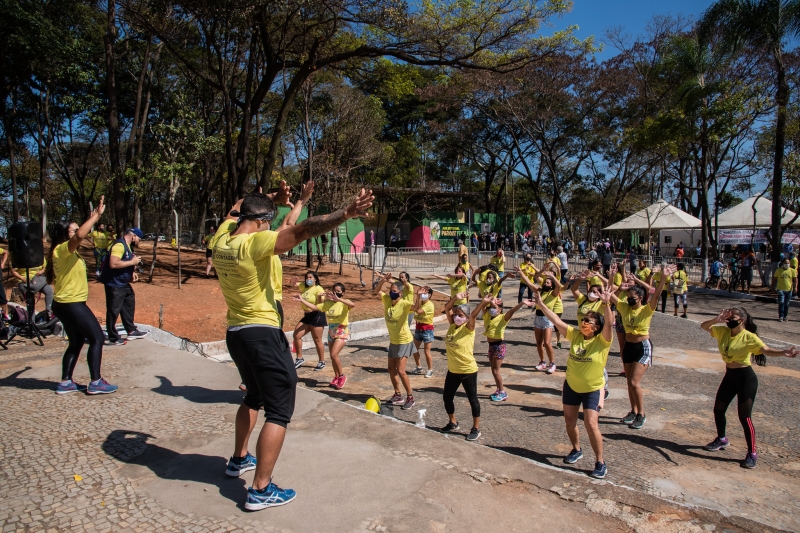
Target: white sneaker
429	374
541	367
551	368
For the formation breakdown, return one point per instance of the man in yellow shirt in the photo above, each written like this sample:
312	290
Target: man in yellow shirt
117	275
243	249
785	283
100	240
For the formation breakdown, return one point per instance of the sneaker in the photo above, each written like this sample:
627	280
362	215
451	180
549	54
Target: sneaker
541	367
551	368
118	342
684	315
242	387
429	374
65	387
101	386
450	427
396	399
558	344
237	467
270	496
573	456
97	273
417	371
629	418
334	382
499	396
639	421
605	395
408	404
299	362
474	433
320	366
342	381
136	334
718	444
622	374
599	471
750	460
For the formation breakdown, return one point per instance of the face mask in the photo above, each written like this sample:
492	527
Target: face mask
394	295
785	265
632	302
732	324
424	297
493	311
309	282
587	329
592	297
459	320
464	261
338	294
547	288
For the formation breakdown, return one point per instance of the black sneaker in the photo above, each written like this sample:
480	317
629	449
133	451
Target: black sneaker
299	362
605	395
474	433
629	418
450	427
718	444
320	365
118	342
639	421
750	460
136	334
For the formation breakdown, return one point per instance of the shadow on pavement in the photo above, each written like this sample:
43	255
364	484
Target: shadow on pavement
556	461
132	447
663	447
197	394
13	380
527	389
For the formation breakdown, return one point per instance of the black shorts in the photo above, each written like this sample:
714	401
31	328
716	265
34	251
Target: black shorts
747	274
589	400
208	252
638	352
279	307
266	367
314	318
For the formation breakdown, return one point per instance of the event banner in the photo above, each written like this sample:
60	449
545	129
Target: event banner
757	237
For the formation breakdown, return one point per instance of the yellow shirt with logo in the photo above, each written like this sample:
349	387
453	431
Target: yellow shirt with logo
244	266
636	321
586	361
460	346
309	294
737	349
656	280
617	279
33	271
499	262
335	312
100	239
529	269
484	288
494	326
457	285
553	302
785	277
584	306
643	273
425	313
70	272
396	317
679	281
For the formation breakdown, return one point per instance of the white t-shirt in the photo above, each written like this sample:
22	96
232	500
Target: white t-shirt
563	258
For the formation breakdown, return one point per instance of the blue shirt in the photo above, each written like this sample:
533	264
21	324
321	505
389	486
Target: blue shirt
715	268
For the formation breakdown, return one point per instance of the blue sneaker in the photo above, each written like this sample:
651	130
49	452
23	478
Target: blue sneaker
599	471
499	396
65	387
573	456
750	460
101	386
237	467
271	496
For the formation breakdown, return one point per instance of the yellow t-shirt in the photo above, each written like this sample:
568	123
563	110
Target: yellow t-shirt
207	240
33	271
425	313
463	250
617	279
553	302
656	280
494	327
484	288
643	273
396	317
460	346
635	321
70	273
408	294
244	266
587	359
529	269
309	294
465	266
499	262
595	280
584	306
276	277
679	280
785	278
555	260
457	285
118	250
738	348
335	312
100	239
793	263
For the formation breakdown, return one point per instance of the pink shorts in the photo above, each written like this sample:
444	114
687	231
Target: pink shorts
335	331
497	350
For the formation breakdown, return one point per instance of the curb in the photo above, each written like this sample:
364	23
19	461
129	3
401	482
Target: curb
741	296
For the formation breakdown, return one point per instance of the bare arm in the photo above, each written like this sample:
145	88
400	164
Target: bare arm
478	311
116	262
311	306
510	313
379	286
330	295
551	316
86	227
774	352
665	273
608	316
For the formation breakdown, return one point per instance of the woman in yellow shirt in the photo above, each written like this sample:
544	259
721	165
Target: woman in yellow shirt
738	344
458	282
462	369
499	261
530	270
401	342
67	269
424	312
585	377
542	327
591	300
494	327
637	354
313	322
337	313
491	284
679	281
38	283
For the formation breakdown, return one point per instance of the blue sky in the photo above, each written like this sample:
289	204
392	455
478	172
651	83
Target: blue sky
594	17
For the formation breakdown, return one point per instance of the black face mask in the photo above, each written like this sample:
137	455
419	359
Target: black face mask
338	294
732	324
632	302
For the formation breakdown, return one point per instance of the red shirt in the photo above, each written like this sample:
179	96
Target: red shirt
679	252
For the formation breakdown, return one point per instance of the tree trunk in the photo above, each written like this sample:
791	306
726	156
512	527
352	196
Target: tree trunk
118	185
782	99
12	164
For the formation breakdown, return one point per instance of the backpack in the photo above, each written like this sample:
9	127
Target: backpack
106	272
19	315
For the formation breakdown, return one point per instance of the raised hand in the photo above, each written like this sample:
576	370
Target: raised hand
724	316
361	203
669	270
462	295
489	298
537	299
529	303
101	207
282	195
605	296
584	275
330	295
307	191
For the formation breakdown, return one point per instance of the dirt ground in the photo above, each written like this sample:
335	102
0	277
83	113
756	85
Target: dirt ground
197	310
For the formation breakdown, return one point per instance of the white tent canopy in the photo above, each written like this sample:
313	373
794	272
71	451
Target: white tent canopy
658	216
741	216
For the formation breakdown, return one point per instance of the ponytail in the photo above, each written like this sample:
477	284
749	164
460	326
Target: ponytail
60	235
750	325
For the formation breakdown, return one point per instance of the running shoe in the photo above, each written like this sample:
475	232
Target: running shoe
299	362
605	395
622	374
474	433
684	315
629	418
417	371
558	344
450	427
238	466
396	399
408	404
320	366
718	444
101	386
750	460
639	421
242	387
499	396
573	456
65	387
551	369
342	381
541	367
429	374
599	471
118	342
334	382
136	334
270	496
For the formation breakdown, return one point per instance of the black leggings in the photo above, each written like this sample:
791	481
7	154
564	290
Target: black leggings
80	324
470	384
522	288
663	301
741	382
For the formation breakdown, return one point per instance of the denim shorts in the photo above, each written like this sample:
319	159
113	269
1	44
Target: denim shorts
423	335
542	322
680	299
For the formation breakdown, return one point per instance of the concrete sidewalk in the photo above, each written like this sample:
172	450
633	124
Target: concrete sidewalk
151	458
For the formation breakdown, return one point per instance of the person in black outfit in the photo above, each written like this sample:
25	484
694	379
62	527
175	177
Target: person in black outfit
118	273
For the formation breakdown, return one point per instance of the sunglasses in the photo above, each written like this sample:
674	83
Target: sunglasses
588	321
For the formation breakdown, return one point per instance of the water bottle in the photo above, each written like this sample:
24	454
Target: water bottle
421	421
